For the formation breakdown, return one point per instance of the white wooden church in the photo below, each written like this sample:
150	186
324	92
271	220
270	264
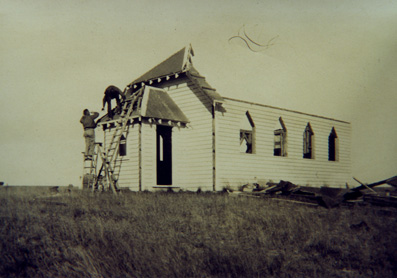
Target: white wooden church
182	133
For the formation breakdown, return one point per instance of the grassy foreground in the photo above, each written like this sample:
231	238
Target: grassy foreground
190	235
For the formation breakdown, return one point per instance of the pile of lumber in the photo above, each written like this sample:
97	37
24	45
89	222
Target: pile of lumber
325	196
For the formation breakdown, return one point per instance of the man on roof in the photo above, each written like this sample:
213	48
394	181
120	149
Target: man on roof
112	92
89	132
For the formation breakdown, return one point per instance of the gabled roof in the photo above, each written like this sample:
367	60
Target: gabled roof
179	63
176	63
151	102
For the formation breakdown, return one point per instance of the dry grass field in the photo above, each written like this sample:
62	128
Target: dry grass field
74	234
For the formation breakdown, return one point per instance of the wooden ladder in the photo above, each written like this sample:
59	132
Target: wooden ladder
90	168
110	164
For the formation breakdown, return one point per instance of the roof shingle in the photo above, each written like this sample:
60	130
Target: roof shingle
178	63
172	65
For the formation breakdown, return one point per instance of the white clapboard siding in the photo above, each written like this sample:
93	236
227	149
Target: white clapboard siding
129	172
192	146
149	175
235	168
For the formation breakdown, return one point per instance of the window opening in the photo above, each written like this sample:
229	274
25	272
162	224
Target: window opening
280	140
246	141
308	142
247	134
333	146
123	146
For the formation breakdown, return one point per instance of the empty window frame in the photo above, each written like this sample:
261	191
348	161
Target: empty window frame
123	146
247	134
333	146
280	140
308	142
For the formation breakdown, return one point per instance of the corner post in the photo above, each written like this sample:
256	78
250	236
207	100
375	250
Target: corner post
213	147
140	154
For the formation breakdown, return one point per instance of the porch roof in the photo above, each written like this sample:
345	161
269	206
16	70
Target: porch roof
151	102
156	103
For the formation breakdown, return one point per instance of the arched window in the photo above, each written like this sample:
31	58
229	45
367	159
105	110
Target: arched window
280	139
308	142
247	134
333	146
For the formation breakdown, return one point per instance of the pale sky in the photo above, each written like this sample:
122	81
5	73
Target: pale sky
336	59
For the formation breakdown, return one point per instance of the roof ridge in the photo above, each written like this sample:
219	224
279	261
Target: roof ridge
180	61
176	64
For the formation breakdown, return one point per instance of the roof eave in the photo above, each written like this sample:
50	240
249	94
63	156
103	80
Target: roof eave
158	79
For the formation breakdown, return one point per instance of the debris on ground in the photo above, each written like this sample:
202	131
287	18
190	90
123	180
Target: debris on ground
283	187
360	226
325	196
331	197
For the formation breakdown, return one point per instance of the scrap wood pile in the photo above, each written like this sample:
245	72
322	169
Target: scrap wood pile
325	196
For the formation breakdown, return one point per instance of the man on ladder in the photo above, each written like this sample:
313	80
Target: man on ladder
93	179
112	92
88	122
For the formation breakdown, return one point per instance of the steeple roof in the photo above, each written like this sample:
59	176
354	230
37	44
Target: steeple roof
177	64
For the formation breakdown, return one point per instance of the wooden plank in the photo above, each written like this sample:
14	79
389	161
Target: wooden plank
293	201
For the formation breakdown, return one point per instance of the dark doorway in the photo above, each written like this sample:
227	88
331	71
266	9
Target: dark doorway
164	155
